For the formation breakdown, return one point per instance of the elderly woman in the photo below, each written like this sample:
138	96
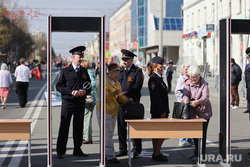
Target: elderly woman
159	107
114	96
5	82
197	94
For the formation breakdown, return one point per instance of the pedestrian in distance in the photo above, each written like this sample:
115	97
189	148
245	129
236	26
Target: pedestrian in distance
247	79
159	107
197	94
236	74
89	107
131	80
5	83
114	96
169	75
73	84
22	74
181	81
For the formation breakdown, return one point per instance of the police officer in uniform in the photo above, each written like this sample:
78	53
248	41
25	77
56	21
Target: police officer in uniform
159	107
73	84
131	80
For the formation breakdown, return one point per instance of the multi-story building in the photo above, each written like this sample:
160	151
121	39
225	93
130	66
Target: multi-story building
126	28
201	31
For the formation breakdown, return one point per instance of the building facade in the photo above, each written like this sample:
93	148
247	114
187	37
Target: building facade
127	30
201	31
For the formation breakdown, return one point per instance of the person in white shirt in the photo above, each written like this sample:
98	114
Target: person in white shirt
5	82
22	75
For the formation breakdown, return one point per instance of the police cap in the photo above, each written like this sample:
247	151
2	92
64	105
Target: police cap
78	50
157	60
248	52
127	54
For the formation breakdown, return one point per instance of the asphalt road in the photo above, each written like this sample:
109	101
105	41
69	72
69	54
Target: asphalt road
14	153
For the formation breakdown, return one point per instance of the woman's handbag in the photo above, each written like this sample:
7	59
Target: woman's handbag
133	111
181	110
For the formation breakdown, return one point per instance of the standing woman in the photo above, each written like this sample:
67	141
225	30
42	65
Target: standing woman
114	96
89	108
197	94
159	101
5	82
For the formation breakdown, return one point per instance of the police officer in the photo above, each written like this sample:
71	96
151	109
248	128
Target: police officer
131	80
73	84
159	107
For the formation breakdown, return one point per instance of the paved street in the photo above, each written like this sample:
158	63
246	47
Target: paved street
12	151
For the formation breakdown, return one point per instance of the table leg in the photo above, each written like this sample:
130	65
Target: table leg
29	152
129	150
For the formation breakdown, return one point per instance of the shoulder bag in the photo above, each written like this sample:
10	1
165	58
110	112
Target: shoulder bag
181	110
133	110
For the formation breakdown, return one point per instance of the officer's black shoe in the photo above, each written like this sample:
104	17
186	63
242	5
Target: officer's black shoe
114	160
121	153
249	153
136	155
60	156
79	153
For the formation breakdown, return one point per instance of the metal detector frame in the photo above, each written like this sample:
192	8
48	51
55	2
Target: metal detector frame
227	27
76	24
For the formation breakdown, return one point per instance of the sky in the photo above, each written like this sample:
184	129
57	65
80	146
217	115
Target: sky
63	42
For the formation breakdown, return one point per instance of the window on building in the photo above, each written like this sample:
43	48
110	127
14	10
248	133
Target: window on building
198	18
170	24
205	16
212	13
239	6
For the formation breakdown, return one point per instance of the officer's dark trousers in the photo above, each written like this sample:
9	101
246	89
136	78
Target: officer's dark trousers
22	92
204	138
169	80
68	109
122	133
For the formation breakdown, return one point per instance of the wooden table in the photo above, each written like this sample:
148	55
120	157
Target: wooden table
165	128
16	129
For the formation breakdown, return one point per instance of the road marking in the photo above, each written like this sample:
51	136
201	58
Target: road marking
17	156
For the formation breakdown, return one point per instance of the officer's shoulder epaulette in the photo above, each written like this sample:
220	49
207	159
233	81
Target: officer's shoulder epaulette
138	67
65	67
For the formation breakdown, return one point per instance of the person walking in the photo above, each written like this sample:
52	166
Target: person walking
159	107
197	94
114	96
236	73
131	80
181	81
247	79
5	83
22	74
169	75
73	84
89	107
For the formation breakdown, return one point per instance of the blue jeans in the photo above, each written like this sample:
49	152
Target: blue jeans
248	106
185	140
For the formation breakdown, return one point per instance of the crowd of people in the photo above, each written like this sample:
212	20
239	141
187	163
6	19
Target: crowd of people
123	85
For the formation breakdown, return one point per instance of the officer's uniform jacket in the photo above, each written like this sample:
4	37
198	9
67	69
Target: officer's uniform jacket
158	95
131	81
70	80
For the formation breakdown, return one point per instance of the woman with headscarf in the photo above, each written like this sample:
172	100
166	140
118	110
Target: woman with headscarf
114	96
5	83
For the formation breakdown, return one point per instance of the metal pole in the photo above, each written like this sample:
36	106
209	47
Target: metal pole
160	54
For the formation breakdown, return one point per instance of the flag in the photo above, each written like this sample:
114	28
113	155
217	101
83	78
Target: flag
133	38
36	73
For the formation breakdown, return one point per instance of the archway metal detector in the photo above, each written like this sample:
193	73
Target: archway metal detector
77	24
227	27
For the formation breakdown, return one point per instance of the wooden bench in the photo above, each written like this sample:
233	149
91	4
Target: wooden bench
17	129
